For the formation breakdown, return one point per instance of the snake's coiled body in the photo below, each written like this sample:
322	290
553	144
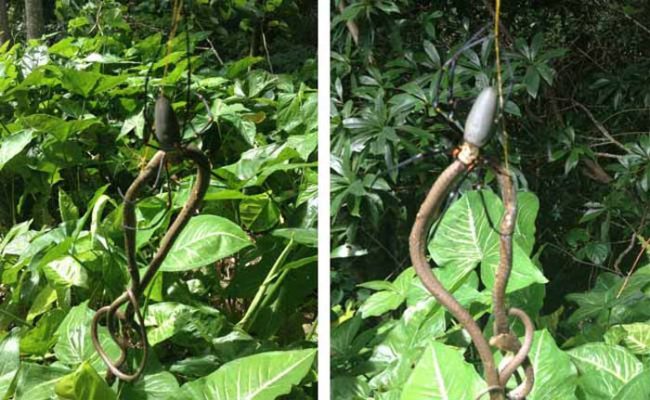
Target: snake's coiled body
417	248
132	294
504	339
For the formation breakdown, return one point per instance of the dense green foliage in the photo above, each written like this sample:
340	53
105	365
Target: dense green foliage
233	309
579	145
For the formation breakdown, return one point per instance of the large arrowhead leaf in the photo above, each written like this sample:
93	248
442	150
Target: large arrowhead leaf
84	384
152	387
74	345
604	369
36	382
165	320
635	337
66	272
465	239
555	375
637	388
442	373
9	363
527	209
205	239
262	376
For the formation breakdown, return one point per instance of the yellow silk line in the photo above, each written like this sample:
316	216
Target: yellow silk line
497	13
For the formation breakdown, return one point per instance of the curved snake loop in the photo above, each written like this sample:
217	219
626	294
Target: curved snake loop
504	339
138	284
417	248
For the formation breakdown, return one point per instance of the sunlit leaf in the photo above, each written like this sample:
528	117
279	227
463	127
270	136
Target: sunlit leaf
84	384
205	239
263	376
604	369
443	374
465	239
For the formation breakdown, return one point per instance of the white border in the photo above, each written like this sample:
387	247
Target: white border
323	200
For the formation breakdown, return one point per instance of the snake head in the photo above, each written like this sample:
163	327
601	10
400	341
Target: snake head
166	124
481	117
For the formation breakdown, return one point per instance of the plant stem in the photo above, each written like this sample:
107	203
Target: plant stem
15	318
252	311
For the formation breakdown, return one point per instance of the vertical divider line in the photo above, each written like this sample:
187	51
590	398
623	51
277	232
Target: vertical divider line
324	200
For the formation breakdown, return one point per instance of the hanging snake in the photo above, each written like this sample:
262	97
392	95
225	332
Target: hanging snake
168	135
476	133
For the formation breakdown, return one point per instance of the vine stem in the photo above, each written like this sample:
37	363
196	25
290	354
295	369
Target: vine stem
253	310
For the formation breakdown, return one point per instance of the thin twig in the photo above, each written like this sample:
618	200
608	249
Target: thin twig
600	126
214	49
644	247
266	50
591	59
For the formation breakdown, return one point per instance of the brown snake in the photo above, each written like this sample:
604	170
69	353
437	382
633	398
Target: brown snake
131	295
476	129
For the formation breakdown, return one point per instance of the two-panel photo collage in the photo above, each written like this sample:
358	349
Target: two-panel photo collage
334	200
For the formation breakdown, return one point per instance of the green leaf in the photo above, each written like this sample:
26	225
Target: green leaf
304	236
377	285
43	300
465	238
263	376
12	145
380	303
636	389
40	339
59	128
167	319
442	373
237	68
9	363
66	272
452	279
84	384
259	213
555	375
67	207
635	337
596	252
431	51
512	108
135	122
531	80
205	239
79	82
74	345
196	367
527	209
36	382
152	387
604	369
350	388
86	83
